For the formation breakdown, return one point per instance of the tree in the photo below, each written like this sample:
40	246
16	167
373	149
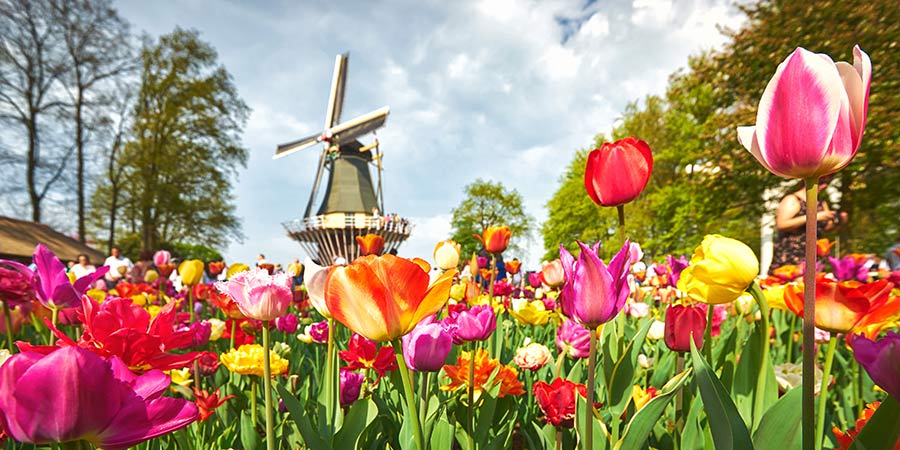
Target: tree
31	64
185	145
98	48
489	204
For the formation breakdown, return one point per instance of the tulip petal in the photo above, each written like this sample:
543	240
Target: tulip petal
595	285
435	299
372	314
798	112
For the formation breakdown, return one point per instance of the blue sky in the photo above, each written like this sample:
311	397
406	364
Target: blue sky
500	90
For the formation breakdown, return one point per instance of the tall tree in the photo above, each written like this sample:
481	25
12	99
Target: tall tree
489	204
98	50
31	63
185	146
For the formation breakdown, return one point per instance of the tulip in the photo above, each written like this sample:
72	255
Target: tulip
823	247
495	239
573	340
191	271
641	396
161	257
370	244
113	408
362	353
682	323
845	306
259	295
881	360
811	116
52	285
675	267
617	172
207	403
532	356
16	283
594	293
216	267
534	279
249	359
351	383
315	276
484	371
533	313
208	363
446	254
552	273
384	297
657	330
426	347
318	332
512	267
235	269
720	271
287	323
848	268
557	401
475	324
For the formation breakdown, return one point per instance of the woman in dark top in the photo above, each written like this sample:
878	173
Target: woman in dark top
790	221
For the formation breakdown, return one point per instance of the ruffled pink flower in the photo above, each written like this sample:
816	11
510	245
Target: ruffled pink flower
259	295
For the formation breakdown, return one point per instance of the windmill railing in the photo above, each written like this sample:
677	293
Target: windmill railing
389	222
325	237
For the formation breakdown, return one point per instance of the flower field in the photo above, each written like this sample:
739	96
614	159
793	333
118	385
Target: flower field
679	352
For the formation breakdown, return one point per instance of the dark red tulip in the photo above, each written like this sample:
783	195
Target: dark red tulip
557	401
617	172
682	322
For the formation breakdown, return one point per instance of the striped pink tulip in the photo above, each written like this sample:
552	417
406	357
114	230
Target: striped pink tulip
811	116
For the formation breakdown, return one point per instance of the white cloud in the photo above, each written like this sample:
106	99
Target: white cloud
651	13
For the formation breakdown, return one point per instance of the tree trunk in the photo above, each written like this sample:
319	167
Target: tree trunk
79	144
32	167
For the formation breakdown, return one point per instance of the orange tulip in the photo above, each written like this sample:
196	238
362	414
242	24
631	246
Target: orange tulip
513	266
495	239
384	297
844	306
370	244
788	272
823	247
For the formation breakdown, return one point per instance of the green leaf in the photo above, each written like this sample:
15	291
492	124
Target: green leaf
780	427
249	437
622	374
640	426
754	392
361	414
882	430
312	437
692	437
600	436
441	435
725	422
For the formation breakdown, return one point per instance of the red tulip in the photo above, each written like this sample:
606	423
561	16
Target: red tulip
617	172
362	353
207	403
512	267
557	401
495	239
370	244
682	322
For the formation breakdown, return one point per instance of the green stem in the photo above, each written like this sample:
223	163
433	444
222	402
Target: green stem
790	344
707	335
759	404
589	411
190	301
233	331
679	397
809	314
253	384
267	385
409	393
471	392
7	318
493	337
332	383
621	210
823	390
54	319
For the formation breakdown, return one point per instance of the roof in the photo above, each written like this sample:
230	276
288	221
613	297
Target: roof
18	238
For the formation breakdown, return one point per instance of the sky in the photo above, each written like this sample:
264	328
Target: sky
500	90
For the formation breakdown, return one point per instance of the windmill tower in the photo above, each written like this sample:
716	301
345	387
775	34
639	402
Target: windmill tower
351	205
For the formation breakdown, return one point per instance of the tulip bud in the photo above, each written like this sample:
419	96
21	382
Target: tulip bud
682	322
161	257
426	347
617	172
370	244
351	382
495	238
720	271
552	273
512	267
191	271
446	254
532	356
475	324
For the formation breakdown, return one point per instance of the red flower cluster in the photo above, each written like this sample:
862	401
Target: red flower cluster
362	353
557	401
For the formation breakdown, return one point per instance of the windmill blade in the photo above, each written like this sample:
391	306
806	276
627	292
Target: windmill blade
336	97
359	126
291	147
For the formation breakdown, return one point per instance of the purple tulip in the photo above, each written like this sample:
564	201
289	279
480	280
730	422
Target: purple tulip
319	332
847	268
594	293
426	347
881	359
351	382
475	324
287	323
113	408
52	285
16	283
573	339
534	279
676	265
201	330
482	262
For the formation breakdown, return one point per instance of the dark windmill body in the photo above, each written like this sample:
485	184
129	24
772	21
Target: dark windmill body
351	205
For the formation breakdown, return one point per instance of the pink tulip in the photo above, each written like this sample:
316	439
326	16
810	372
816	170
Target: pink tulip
52	285
594	293
426	347
811	116
161	257
16	283
573	339
474	324
552	273
74	394
259	295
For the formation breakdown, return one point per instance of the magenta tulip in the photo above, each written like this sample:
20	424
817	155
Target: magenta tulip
351	382
881	359
16	283
52	285
426	347
73	394
259	295
573	339
474	324
811	116
594	293
287	323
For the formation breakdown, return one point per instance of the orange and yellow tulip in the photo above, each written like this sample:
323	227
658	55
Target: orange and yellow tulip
823	247
384	297
370	244
844	306
495	239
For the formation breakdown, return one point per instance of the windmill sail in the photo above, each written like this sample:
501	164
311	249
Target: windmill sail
294	146
358	126
336	96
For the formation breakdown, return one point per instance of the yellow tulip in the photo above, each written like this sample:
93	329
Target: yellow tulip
235	269
248	360
775	297
446	254
720	271
181	377
641	397
530	312
96	294
191	271
151	276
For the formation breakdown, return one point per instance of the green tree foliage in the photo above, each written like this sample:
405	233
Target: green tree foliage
489	204
703	180
185	146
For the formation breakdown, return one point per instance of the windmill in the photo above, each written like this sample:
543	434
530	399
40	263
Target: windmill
351	206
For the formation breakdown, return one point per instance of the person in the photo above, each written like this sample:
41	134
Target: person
260	260
140	268
892	257
339	260
118	264
295	271
83	266
790	223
